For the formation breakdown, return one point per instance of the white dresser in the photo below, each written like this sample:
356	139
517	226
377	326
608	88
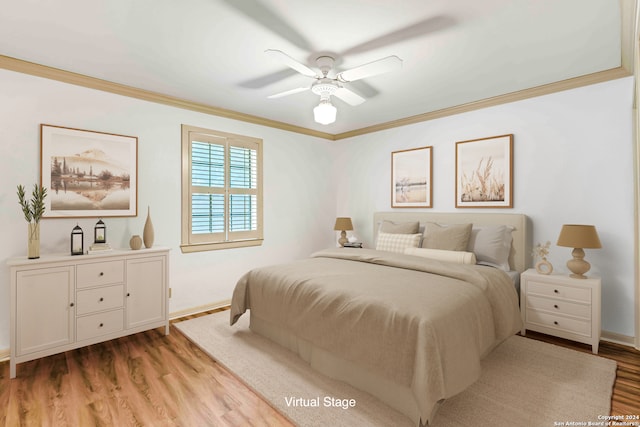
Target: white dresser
62	302
562	306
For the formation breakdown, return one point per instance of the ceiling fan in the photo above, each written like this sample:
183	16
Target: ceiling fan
328	84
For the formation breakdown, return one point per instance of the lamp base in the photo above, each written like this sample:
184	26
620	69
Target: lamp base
578	266
343	238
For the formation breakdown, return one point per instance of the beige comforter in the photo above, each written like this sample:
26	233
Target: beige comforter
424	324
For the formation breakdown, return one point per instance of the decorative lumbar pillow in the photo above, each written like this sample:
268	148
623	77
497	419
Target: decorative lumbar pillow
492	245
458	257
397	242
399	227
453	237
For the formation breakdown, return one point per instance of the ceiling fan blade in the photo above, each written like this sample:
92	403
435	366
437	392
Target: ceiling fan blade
290	62
288	92
424	27
349	96
266	17
268	79
384	65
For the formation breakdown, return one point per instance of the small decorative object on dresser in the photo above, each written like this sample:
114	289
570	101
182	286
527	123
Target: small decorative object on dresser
135	242
99	238
561	306
33	210
343	224
100	232
77	241
541	251
148	234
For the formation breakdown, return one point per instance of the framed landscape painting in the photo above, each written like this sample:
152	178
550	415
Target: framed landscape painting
88	174
411	178
484	172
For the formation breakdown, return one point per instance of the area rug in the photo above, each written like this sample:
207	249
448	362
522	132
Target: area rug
524	383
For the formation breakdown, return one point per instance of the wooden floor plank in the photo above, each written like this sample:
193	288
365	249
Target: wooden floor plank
150	379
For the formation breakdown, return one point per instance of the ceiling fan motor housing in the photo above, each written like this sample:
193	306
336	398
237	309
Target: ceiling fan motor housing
324	87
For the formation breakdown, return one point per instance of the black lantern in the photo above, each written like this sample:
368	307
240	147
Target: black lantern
100	233
77	241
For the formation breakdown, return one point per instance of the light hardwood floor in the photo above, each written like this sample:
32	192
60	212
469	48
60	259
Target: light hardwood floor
150	379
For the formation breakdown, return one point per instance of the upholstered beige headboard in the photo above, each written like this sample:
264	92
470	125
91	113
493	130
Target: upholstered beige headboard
520	258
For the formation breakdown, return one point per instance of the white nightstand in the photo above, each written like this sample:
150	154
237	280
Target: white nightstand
559	305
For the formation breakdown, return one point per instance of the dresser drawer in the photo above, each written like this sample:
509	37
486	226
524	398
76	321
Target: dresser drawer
99	324
99	299
558	291
102	273
559	306
582	327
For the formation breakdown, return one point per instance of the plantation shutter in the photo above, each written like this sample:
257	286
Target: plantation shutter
225	189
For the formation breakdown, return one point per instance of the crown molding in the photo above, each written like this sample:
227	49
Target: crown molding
26	67
589	79
44	71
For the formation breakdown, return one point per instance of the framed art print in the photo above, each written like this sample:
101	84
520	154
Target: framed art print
411	178
484	172
88	174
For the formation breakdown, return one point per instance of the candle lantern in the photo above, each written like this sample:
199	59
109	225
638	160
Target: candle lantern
100	233
77	241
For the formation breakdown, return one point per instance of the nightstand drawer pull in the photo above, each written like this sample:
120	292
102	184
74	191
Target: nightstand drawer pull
555	305
555	322
101	325
556	291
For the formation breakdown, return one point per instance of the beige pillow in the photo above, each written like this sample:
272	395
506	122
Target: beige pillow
453	237
399	227
492	245
397	242
458	257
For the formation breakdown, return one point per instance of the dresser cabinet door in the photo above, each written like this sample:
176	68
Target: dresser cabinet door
44	309
145	294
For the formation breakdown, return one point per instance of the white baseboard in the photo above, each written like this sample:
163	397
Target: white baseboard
199	309
618	338
4	354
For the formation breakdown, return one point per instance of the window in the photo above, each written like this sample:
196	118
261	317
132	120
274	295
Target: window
221	190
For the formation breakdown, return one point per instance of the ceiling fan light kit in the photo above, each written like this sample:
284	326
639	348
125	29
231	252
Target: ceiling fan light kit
325	113
325	86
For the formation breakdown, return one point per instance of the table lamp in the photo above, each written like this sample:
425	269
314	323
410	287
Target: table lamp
343	224
578	237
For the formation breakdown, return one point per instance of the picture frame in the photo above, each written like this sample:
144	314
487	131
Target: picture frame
412	178
484	172
88	173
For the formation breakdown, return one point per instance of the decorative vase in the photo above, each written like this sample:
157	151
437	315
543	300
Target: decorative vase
544	267
147	234
33	247
135	242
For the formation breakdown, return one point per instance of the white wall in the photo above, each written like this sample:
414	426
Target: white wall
573	163
299	201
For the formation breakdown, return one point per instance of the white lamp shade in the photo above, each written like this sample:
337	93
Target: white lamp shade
325	113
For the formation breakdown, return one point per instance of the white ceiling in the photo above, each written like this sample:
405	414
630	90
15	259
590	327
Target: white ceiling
212	51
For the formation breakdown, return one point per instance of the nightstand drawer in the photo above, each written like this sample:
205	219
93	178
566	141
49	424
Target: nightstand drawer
100	299
559	306
96	274
559	291
99	324
582	327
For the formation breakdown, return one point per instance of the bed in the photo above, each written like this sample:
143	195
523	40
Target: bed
408	329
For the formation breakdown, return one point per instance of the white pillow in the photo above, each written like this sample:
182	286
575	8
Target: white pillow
397	242
492	245
458	257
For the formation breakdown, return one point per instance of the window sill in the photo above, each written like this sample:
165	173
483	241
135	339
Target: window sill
202	247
